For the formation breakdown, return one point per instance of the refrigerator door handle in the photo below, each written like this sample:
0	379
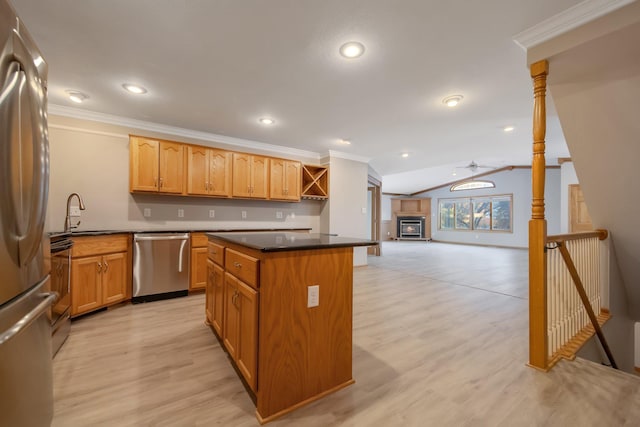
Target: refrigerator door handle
29	318
30	238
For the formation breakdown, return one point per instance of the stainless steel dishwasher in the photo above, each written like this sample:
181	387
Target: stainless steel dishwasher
160	266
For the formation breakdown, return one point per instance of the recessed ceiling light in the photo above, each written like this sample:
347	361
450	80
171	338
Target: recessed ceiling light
344	141
137	89
405	155
352	50
452	101
76	96
508	128
266	121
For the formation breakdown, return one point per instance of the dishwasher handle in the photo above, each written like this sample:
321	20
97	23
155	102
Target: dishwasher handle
157	238
182	245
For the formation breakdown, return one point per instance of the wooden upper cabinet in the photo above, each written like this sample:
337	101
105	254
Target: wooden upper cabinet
250	176
144	162
219	173
209	171
171	167
285	182
156	166
197	170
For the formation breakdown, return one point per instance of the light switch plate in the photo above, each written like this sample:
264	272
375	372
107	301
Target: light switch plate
74	211
244	214
364	211
279	215
146	213
180	213
212	213
313	296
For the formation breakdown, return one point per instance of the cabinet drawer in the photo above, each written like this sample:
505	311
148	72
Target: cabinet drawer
242	266
199	240
216	253
98	245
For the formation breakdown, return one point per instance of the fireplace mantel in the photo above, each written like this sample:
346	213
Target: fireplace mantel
411	207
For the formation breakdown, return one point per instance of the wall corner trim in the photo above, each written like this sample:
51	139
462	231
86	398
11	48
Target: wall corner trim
567	20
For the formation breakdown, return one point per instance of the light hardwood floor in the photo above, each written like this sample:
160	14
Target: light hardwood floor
440	339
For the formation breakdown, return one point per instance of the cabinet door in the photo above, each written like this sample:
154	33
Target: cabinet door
197	170
171	167
293	179
114	278
247	349
231	326
143	164
259	177
209	298
285	177
277	180
219	173
241	175
86	286
198	271
218	299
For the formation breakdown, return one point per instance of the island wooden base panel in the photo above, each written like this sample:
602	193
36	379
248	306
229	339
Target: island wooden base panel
440	339
301	404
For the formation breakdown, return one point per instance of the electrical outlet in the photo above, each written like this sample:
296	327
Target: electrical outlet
313	296
146	213
212	213
244	214
364	211
180	213
74	211
279	215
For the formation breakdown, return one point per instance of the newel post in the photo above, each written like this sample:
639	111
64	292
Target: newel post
538	226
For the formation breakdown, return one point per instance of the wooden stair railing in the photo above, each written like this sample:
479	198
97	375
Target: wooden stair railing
560	243
539	348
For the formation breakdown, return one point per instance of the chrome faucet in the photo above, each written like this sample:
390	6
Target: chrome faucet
67	221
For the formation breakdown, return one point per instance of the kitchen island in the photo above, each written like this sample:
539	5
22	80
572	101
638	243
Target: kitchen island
281	304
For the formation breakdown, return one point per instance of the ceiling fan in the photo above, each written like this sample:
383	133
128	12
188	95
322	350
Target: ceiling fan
473	167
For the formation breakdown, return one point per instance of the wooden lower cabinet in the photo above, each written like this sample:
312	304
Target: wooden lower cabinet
198	265
114	278
209	292
288	353
98	281
218	299
240	327
198	269
100	272
86	285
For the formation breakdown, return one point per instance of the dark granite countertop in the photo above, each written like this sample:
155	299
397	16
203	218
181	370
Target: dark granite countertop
81	233
283	241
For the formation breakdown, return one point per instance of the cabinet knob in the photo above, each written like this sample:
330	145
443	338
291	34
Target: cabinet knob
106	266
99	267
237	265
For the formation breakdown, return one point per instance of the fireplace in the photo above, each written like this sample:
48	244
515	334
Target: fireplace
411	227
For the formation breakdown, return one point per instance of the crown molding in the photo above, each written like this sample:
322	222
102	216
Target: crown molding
567	20
346	156
77	113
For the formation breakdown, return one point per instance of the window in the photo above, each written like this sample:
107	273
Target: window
487	213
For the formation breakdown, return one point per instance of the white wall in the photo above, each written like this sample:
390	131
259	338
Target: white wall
516	182
567	177
93	159
343	213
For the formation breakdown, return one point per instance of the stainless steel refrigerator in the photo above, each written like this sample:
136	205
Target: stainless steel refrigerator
26	386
